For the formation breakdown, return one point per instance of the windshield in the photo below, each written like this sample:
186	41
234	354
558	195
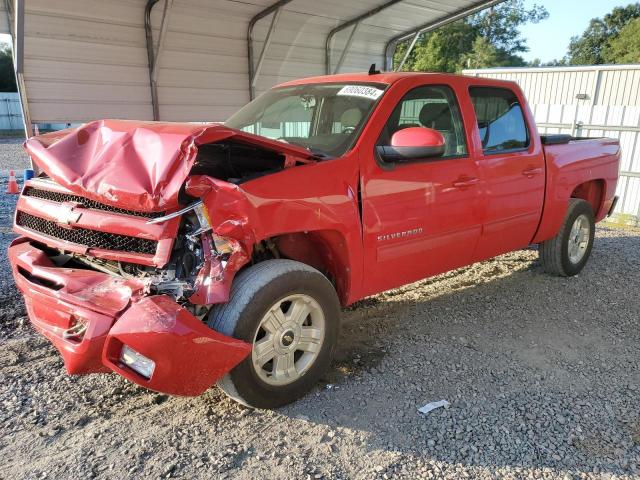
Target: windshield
324	118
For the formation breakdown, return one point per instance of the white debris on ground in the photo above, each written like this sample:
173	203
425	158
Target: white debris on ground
433	405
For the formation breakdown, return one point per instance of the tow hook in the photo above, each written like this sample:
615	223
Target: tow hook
75	333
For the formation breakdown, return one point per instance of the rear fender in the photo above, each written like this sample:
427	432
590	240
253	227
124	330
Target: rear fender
593	193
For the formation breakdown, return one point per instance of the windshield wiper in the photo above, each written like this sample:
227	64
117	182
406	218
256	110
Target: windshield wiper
318	153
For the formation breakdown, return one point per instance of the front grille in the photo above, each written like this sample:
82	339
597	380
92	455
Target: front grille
61	197
85	237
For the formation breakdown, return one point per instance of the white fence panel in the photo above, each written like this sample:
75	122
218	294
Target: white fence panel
615	121
10	113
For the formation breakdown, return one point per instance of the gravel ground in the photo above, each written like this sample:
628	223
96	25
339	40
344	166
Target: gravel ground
12	155
541	373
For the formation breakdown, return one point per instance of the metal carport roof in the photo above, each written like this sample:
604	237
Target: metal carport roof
81	60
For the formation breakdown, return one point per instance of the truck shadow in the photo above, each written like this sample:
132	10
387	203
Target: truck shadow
536	368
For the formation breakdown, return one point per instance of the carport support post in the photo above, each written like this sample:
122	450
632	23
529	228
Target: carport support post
153	55
253	71
263	52
148	30
18	63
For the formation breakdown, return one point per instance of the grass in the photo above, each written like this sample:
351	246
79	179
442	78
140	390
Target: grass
622	220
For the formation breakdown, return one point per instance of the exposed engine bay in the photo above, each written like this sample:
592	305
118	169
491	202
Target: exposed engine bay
236	162
176	279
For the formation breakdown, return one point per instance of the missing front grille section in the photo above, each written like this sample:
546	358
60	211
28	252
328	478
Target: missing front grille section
85	202
39	280
85	237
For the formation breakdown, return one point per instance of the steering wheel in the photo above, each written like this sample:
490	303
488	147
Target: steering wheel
348	129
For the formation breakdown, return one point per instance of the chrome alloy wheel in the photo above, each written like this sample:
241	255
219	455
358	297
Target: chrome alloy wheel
579	239
288	339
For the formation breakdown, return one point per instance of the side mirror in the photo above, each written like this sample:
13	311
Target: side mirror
413	143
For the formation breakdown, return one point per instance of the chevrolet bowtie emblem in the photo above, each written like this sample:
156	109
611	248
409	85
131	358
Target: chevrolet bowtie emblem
67	215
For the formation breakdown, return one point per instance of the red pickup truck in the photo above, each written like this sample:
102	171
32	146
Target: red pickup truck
179	255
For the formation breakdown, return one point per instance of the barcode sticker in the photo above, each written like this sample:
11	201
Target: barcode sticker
360	91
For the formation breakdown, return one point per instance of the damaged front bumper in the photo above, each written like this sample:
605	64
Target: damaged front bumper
89	316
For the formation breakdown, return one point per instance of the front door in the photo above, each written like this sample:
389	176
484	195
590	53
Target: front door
424	217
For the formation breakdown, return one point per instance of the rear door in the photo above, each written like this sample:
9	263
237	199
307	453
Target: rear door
513	167
424	217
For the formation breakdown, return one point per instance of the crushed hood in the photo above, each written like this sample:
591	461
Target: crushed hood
132	164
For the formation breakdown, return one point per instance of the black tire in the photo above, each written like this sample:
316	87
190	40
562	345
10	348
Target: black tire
254	291
554	253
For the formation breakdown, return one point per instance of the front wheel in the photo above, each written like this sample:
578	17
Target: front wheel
567	253
289	312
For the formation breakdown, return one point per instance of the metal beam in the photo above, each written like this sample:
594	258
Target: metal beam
148	30
587	126
346	48
342	26
408	52
427	27
250	54
265	47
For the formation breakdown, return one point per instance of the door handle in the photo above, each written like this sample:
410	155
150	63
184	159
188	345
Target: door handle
531	172
465	182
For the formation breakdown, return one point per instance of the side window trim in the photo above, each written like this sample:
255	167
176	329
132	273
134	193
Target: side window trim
460	118
525	122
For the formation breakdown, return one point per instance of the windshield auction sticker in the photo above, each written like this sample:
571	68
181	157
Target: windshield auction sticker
360	91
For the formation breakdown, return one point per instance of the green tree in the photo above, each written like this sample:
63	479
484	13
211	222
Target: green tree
484	54
442	51
487	39
500	25
7	75
587	49
625	47
562	62
590	47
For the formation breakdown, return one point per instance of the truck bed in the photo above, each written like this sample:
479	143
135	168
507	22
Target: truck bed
575	161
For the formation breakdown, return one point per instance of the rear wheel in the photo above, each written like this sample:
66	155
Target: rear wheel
289	312
567	253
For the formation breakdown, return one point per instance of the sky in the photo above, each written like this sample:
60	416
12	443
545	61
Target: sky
549	39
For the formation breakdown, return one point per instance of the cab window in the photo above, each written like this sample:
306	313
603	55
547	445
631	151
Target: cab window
432	106
500	119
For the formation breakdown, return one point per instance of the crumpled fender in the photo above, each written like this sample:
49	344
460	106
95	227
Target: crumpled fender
132	164
189	356
234	218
